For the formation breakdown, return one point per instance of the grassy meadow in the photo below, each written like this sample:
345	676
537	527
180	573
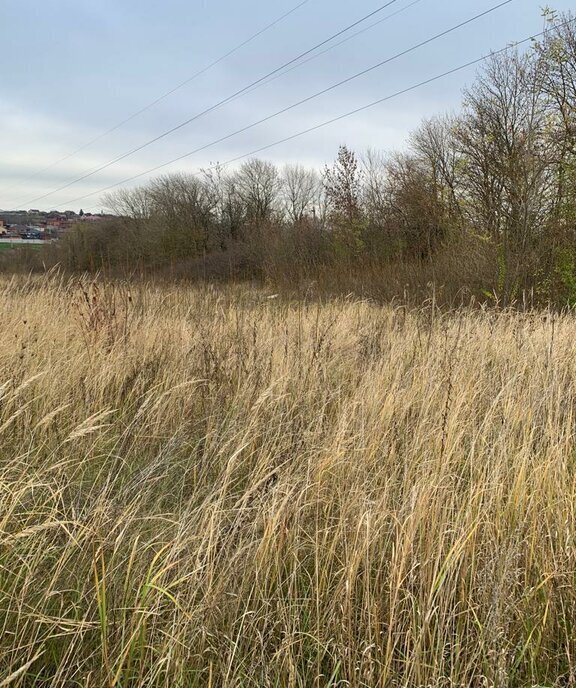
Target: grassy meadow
207	486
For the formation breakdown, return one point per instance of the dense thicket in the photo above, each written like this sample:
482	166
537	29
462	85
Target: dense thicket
482	203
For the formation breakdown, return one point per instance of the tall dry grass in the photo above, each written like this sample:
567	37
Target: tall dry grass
214	488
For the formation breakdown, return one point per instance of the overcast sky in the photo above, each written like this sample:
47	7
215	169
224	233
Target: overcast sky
71	69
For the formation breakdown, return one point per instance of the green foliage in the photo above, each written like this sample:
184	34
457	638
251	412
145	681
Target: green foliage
350	238
507	288
565	270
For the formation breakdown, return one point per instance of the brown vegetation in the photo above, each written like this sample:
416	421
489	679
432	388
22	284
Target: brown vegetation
204	487
241	483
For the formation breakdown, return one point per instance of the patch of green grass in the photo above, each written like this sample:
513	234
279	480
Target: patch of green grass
10	247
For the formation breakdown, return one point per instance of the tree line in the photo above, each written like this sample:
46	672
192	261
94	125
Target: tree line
482	202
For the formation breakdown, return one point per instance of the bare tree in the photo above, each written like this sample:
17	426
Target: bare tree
374	196
343	186
300	188
557	53
184	195
435	146
257	184
184	208
416	216
133	203
504	163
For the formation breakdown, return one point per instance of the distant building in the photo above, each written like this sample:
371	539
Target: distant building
95	218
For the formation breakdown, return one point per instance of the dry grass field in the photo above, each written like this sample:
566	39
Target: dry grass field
209	487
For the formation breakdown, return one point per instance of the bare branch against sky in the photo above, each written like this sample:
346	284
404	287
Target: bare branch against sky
72	70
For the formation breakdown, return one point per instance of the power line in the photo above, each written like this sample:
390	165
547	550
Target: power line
350	113
337	45
388	60
218	104
338	84
165	95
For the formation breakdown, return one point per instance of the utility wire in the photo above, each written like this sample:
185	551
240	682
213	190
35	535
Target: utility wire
218	104
350	113
388	60
162	97
336	45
